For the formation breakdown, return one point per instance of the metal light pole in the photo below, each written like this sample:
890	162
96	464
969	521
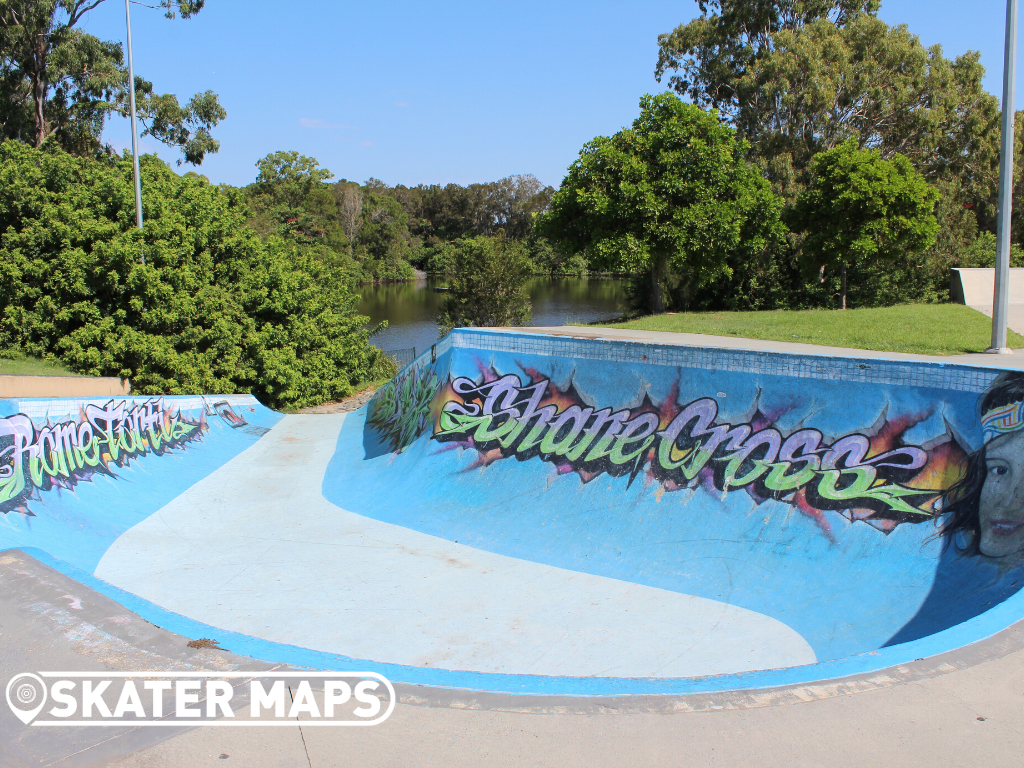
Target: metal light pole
135	130
1001	295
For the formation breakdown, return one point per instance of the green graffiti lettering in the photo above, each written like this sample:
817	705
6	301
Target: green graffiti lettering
536	434
779	481
531	420
863	478
645	424
558	446
601	418
73	451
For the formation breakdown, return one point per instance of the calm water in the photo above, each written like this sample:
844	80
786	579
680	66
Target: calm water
411	309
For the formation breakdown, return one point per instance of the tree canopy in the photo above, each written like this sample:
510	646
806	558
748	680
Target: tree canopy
60	83
712	54
835	72
378	232
799	78
673	192
859	207
289	177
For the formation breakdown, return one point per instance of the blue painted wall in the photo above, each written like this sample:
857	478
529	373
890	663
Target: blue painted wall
847	585
78	516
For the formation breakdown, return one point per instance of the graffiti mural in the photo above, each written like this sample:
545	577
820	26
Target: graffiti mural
400	410
872	477
101	439
868	475
235	420
984	509
864	504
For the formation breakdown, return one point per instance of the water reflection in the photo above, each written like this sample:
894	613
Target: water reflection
411	309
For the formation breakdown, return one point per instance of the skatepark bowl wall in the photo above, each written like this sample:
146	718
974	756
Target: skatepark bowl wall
543	515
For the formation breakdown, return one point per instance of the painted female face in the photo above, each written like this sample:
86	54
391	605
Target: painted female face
1001	507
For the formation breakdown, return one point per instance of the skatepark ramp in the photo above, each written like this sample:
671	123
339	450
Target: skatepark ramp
535	514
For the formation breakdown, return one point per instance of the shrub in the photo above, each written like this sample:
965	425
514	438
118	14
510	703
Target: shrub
212	309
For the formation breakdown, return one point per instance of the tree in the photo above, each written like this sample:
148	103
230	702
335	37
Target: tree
213	309
488	285
509	205
290	199
289	177
822	86
798	78
59	83
715	52
382	246
349	197
858	207
674	192
812	84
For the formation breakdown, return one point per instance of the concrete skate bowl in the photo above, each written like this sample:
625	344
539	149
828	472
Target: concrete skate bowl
529	514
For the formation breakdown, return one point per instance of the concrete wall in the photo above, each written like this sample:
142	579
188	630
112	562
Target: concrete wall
62	386
974	287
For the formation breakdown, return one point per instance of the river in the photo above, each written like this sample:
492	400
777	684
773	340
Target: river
411	308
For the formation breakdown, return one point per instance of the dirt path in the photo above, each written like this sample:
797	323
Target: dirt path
353	403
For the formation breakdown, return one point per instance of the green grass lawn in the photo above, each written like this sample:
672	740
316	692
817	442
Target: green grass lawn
23	365
927	329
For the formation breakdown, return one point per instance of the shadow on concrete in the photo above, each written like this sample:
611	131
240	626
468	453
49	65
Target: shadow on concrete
965	587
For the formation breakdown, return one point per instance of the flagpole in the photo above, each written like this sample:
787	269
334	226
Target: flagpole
1001	293
135	128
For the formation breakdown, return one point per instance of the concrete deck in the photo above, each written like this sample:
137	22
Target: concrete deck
963	708
1015	360
62	386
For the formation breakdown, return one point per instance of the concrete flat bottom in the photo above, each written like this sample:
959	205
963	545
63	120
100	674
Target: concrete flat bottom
370	590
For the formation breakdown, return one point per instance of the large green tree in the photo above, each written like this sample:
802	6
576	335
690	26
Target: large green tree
58	82
213	309
859	208
824	73
291	198
797	78
289	177
672	193
487	285
711	55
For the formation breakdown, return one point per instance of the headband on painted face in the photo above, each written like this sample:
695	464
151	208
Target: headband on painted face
1002	420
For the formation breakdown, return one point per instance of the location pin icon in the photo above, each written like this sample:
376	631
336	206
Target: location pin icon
26	695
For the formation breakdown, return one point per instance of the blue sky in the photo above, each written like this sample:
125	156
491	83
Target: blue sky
417	92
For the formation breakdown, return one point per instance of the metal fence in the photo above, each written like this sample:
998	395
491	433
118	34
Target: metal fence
402	357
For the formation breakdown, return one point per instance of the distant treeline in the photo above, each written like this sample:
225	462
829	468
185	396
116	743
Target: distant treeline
379	233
